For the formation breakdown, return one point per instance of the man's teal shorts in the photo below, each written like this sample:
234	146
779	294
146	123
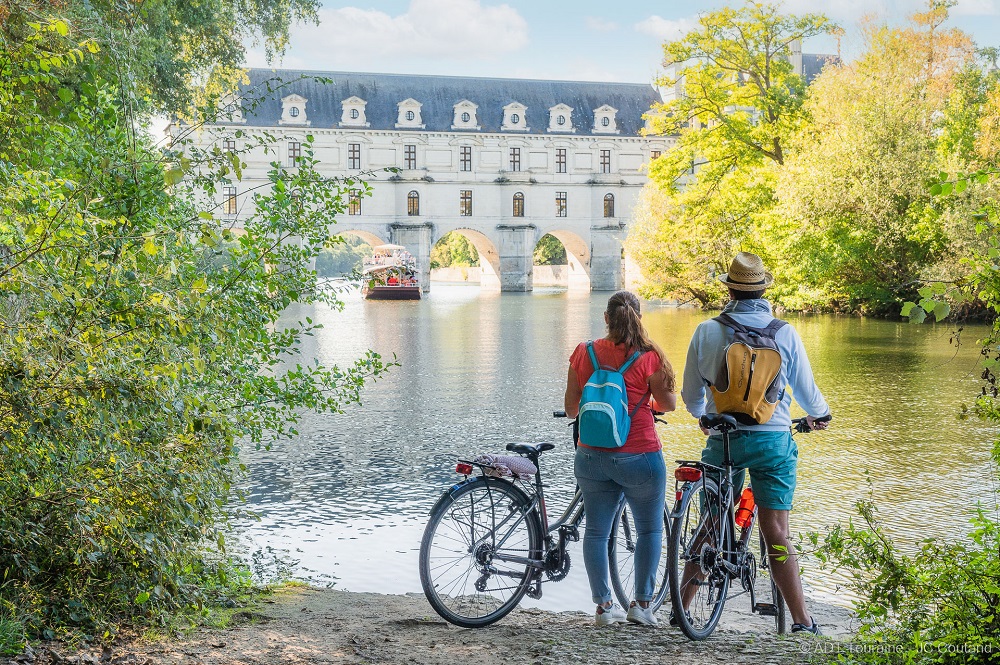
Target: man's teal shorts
771	457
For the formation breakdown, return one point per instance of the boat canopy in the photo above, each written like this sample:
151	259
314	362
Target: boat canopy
388	249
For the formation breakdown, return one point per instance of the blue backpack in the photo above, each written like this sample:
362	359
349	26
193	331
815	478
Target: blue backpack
604	416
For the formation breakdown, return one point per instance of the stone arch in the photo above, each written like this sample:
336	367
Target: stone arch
577	255
489	255
369	237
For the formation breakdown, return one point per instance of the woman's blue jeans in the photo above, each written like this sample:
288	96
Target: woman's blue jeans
603	478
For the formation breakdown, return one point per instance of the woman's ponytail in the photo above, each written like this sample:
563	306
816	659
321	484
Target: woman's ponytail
625	327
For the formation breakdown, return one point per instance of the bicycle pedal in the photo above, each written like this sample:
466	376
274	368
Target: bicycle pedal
766	609
571	534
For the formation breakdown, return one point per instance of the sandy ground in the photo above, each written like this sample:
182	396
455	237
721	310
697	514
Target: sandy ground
306	625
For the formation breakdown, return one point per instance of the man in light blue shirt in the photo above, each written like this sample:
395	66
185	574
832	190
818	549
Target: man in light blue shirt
767	450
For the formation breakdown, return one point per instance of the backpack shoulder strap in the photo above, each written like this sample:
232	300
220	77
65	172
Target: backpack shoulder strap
628	363
649	393
773	327
593	356
730	322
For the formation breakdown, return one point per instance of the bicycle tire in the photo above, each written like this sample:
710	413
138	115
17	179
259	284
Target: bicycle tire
702	615
621	547
460	576
780	618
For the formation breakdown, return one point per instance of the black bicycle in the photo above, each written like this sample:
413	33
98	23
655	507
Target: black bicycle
489	543
706	553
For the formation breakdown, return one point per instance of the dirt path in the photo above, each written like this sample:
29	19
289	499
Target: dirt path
311	626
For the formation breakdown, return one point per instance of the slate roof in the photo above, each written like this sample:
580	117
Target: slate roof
813	64
438	96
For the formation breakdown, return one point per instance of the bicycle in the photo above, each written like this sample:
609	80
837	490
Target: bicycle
489	543
704	553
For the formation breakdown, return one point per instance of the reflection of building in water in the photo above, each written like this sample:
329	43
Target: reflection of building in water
502	161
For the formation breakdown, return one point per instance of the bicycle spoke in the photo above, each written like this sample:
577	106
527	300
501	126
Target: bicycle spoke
464	557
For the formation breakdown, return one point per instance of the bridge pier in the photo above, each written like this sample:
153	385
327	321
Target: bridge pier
416	238
517	249
606	258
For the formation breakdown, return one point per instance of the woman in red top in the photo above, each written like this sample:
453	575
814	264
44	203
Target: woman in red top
635	470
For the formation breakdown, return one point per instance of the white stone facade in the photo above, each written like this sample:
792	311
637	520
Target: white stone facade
503	172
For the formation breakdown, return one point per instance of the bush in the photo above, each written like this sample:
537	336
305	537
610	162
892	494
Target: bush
939	605
138	350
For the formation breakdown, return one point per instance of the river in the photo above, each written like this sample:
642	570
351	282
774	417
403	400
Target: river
345	503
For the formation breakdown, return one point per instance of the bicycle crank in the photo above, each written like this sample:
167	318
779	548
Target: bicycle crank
557	565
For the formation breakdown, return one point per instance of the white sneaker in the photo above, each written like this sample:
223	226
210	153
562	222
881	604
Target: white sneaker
605	616
641	615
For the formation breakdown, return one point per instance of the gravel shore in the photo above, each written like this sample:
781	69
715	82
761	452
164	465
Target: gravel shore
302	625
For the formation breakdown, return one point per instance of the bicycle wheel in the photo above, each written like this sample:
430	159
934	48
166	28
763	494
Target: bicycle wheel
621	551
474	553
776	598
697	577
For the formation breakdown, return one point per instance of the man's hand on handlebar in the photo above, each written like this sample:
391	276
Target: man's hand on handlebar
819	423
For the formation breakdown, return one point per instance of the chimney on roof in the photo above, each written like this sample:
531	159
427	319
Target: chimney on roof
796	56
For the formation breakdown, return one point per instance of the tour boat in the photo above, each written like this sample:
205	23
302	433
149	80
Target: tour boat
390	273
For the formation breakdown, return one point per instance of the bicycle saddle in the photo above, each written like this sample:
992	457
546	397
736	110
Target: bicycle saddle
533	449
720	421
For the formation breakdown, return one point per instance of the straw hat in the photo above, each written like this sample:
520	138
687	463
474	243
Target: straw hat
746	273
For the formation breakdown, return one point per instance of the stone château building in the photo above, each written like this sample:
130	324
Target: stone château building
501	161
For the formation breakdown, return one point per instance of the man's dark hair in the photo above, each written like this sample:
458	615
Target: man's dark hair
745	295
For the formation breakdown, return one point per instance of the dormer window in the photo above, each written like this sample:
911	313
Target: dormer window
293	111
604	120
230	109
561	118
354	112
409	114
515	117
465	116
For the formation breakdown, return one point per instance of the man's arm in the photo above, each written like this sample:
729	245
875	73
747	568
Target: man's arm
693	386
800	378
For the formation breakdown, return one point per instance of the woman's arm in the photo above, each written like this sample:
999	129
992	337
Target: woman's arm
661	384
573	393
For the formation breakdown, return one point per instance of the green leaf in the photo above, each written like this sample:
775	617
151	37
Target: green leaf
941	311
907	308
936	189
61	27
173	176
65	95
142	598
918	315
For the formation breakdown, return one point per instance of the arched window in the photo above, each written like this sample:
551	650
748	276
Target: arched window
609	205
519	205
413	204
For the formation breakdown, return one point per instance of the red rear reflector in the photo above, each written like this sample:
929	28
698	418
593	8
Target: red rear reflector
463	468
678	496
687	474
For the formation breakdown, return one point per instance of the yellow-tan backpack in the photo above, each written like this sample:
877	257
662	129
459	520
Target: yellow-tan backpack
747	385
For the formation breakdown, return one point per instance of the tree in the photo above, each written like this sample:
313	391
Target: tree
738	99
172	51
856	185
454	250
139	344
549	252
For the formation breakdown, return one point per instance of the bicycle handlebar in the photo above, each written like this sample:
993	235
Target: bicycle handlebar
801	425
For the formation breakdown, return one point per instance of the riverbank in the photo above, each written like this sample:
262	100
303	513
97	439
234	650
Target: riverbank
305	625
